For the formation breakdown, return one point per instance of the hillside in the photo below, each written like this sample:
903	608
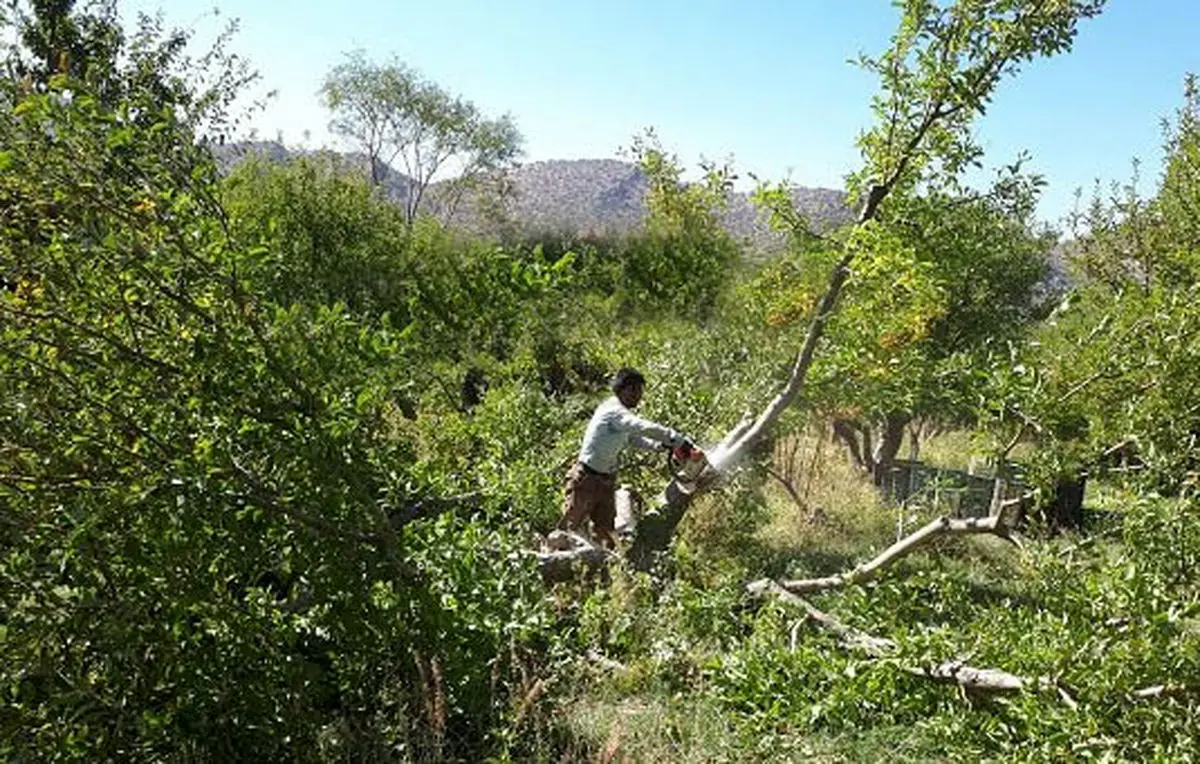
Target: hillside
586	196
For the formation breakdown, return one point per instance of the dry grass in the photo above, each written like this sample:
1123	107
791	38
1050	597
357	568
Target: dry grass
815	513
662	728
819	501
962	450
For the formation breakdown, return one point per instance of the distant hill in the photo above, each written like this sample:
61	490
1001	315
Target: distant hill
607	195
396	185
599	196
578	196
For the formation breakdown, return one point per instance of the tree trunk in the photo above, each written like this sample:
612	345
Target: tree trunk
847	433
914	441
889	445
875	458
657	529
860	453
1065	508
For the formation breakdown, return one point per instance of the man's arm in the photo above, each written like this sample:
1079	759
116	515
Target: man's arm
643	443
647	435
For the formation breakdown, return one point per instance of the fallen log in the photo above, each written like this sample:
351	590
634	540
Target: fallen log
565	552
942	526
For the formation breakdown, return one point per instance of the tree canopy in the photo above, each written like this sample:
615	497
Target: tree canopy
397	118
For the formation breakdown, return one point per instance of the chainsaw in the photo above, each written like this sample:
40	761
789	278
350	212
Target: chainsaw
686	464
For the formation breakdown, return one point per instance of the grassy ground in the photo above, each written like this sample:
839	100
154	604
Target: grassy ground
687	668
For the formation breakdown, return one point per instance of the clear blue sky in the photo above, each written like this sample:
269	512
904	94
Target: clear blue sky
764	80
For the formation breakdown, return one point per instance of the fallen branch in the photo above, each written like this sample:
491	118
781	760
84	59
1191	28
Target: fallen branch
847	636
1168	690
990	680
566	552
942	526
957	672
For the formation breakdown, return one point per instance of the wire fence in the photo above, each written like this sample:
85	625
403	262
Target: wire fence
958	493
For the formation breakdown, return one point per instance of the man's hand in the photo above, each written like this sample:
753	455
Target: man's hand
679	441
685	451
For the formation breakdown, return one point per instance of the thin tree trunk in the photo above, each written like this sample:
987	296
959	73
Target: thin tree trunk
657	530
846	432
914	441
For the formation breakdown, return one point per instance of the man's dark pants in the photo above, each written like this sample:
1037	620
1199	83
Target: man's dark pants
590	494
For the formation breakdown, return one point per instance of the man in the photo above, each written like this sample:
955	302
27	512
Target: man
591	482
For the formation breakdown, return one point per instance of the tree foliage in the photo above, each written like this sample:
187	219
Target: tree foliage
398	118
1110	385
209	531
684	257
942	288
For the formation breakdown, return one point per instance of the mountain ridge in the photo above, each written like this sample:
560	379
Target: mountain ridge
570	196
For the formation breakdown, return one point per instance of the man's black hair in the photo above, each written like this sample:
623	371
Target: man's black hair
626	377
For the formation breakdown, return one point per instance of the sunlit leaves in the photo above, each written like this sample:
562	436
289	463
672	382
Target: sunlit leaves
940	72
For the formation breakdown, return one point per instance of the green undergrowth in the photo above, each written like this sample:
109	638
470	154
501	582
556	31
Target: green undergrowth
688	667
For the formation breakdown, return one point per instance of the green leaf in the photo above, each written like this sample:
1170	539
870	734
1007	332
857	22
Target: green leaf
121	137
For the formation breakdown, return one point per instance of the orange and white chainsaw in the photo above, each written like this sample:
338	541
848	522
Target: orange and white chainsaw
686	463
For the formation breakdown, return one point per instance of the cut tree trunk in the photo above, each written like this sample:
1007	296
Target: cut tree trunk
657	527
847	636
566	554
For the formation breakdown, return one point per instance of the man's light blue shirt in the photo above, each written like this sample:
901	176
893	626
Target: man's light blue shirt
612	428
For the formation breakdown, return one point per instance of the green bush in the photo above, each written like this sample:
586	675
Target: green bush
213	542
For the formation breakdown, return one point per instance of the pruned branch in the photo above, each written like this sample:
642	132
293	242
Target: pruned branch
956	672
568	551
940	527
847	636
990	680
1168	690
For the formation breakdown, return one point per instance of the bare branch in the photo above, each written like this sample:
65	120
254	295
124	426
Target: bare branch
1168	690
994	525
957	672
